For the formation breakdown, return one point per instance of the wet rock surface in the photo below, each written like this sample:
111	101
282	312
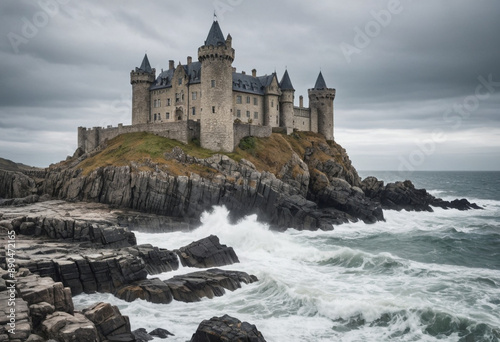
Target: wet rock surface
226	328
211	283
207	252
404	196
44	310
50	270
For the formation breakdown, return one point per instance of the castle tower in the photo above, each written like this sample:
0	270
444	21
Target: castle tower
286	103
216	123
321	104
271	102
141	79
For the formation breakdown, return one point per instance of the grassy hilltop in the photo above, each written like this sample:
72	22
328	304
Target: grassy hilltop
146	151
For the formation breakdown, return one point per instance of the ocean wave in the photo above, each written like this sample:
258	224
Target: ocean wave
411	325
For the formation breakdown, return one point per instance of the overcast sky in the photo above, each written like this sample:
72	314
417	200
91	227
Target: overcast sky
418	82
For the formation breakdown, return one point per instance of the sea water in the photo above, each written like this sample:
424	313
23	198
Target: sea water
427	276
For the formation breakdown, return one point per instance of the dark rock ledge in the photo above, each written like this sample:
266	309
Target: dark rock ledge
404	196
61	257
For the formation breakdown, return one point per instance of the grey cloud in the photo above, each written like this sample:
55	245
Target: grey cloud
75	71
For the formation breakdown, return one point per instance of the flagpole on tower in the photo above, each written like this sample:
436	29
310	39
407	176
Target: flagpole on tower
215	16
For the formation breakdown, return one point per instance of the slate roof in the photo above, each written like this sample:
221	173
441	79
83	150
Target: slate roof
285	83
164	79
320	82
145	66
215	36
248	84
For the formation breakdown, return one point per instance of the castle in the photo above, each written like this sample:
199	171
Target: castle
208	100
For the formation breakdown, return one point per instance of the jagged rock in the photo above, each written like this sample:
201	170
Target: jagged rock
108	321
371	186
153	290
332	160
20	322
161	333
141	335
296	211
226	328
39	311
16	185
70	229
207	252
35	289
35	338
157	260
296	173
404	196
81	271
460	204
340	195
64	327
194	286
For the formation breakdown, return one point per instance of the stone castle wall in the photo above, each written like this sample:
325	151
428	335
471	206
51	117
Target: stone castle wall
302	119
183	131
246	130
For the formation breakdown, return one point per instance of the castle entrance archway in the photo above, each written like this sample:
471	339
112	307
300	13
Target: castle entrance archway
179	114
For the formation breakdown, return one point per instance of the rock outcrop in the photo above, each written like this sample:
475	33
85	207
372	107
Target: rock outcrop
109	322
226	328
210	283
206	253
217	180
404	196
44	310
14	184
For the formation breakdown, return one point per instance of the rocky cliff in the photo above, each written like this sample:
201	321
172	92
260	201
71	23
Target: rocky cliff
300	181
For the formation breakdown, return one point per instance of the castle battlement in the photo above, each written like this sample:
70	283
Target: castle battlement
208	100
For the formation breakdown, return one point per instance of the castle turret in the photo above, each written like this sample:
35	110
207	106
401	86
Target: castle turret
321	103
286	103
141	79
216	122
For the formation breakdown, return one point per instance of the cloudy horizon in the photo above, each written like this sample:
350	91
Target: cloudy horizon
418	83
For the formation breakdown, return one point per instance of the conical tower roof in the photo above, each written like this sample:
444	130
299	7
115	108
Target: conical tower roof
145	66
320	82
215	36
285	83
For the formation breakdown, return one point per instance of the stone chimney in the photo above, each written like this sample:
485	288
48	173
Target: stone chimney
171	65
243	72
301	101
189	60
254	72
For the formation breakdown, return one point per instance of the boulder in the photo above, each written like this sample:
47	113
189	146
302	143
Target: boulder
192	287
39	311
207	252
152	290
226	328
23	325
35	289
157	260
64	327
141	335
161	333
108	321
343	197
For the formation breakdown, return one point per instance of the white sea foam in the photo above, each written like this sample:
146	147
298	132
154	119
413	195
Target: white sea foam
313	287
